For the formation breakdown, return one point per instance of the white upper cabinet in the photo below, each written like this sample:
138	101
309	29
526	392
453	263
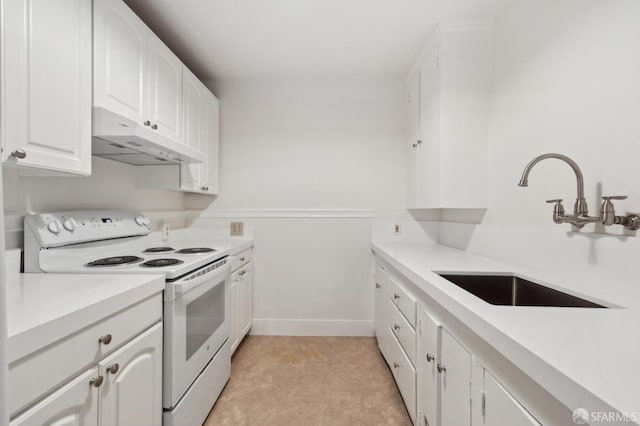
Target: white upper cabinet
120	60
448	92
165	89
46	87
201	122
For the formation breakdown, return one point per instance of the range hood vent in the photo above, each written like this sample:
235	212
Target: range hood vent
124	140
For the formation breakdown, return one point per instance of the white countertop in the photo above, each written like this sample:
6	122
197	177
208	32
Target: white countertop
584	357
43	308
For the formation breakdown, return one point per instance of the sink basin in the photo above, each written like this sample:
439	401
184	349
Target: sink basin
515	291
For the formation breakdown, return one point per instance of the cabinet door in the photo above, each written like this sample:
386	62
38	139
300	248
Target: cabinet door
429	149
429	330
75	404
455	382
413	136
46	59
381	311
132	390
120	60
210	142
235	306
192	113
500	408
247	300
165	89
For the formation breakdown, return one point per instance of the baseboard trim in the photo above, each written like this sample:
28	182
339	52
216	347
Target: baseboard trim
281	327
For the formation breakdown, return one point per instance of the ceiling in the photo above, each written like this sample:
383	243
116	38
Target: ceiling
258	39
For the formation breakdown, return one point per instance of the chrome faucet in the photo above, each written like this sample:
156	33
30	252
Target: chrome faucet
580	216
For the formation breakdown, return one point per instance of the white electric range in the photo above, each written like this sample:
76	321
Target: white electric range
196	357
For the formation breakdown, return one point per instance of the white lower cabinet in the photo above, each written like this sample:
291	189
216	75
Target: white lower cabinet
241	295
107	374
455	382
133	379
429	330
76	403
497	407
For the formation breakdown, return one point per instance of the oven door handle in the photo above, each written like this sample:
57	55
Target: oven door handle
174	290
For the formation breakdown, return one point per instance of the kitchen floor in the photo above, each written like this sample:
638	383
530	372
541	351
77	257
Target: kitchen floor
286	381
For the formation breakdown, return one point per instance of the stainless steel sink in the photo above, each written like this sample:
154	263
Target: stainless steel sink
515	291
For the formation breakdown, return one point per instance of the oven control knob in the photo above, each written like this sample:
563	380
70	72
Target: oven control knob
70	224
54	227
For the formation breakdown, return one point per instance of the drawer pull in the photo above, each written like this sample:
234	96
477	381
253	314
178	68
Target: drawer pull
396	365
154	127
396	296
396	327
377	285
113	369
242	259
441	368
430	357
97	381
105	340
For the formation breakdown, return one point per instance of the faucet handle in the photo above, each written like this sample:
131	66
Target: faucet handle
558	210
558	200
614	197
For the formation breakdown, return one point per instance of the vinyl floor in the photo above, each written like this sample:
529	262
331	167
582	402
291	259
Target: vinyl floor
291	381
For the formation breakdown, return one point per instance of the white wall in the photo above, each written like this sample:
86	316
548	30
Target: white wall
565	79
111	186
295	150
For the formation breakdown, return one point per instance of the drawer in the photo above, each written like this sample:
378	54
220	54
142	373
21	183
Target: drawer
42	371
404	300
242	258
404	332
404	374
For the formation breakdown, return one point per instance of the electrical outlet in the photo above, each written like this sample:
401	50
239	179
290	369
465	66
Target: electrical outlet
237	229
165	232
396	229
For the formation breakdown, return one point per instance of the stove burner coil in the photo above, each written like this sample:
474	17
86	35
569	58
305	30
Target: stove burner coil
158	263
113	261
158	249
195	250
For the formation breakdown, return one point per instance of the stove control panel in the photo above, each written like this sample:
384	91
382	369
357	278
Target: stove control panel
80	226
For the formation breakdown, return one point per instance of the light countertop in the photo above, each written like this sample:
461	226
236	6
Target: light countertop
43	308
584	357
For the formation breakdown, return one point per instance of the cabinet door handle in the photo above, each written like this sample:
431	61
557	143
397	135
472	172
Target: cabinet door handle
396	296
441	368
105	340
147	123
377	285
430	357
415	145
396	365
97	381
19	153
113	368
396	327
419	141
154	127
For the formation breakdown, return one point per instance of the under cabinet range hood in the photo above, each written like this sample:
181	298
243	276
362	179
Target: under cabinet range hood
121	139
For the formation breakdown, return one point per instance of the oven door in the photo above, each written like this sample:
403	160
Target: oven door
196	324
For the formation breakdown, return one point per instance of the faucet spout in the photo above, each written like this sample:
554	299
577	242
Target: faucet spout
580	208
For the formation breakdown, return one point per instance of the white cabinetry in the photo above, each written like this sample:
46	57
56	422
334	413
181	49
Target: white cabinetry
497	407
136	76
46	95
447	98
201	118
76	403
120	60
455	382
109	373
429	332
395	319
241	294
165	89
